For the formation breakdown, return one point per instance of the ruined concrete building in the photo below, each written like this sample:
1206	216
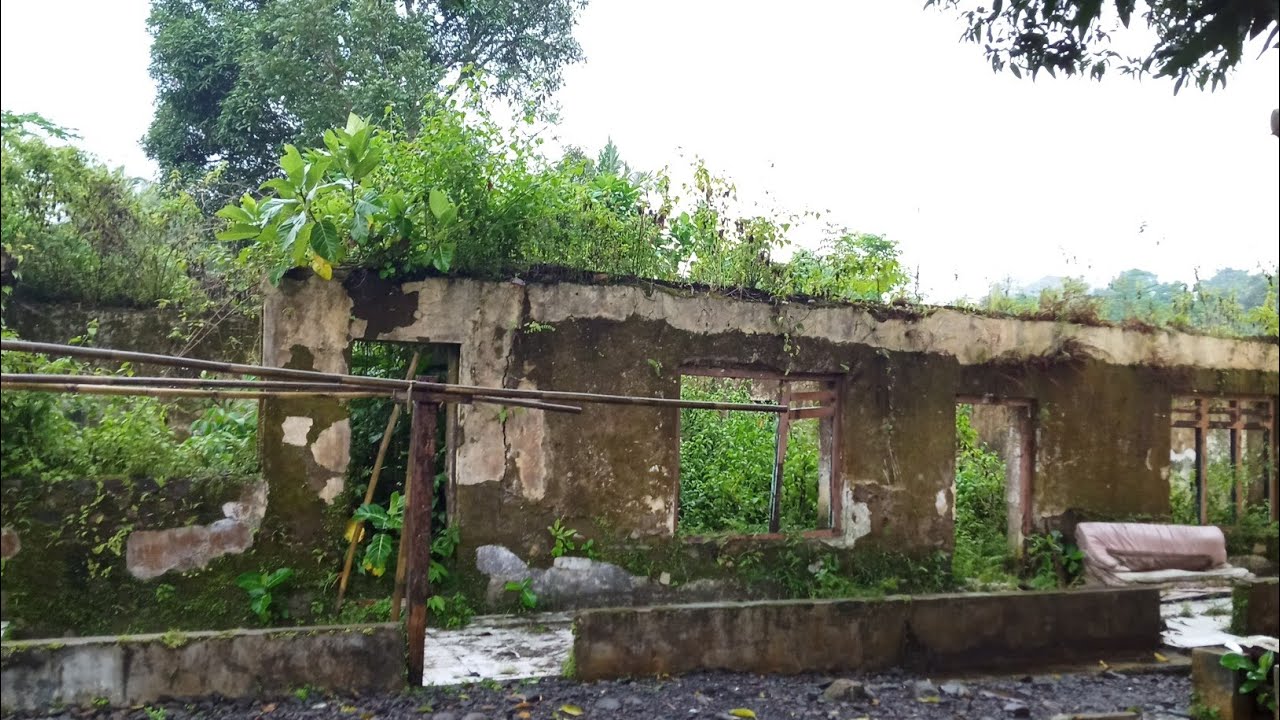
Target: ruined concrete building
1087	410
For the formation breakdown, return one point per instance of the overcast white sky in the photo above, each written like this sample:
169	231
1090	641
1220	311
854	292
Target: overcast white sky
872	111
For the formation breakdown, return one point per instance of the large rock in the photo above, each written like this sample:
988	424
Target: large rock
571	582
500	563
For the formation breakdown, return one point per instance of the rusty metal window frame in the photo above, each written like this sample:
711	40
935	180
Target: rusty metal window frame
811	406
1235	414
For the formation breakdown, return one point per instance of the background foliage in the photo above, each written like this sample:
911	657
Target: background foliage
237	79
1230	303
62	436
1194	42
74	230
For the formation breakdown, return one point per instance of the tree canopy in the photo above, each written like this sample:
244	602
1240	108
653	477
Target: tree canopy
1195	41
237	79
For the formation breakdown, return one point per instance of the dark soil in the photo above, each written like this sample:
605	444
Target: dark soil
714	695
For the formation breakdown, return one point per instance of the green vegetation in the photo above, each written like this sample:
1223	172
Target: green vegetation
982	546
74	230
567	541
726	464
1053	561
1231	303
260	587
526	598
1200	43
237	79
387	521
61	436
468	196
1257	668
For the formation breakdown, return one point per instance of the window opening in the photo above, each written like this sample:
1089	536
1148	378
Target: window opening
757	472
1222	452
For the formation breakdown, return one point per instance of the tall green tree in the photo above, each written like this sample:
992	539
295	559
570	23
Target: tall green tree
236	79
1195	41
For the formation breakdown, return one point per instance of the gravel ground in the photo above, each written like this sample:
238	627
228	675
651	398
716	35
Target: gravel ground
715	695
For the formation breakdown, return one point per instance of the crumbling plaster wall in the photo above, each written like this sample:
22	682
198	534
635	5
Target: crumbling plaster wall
1102	396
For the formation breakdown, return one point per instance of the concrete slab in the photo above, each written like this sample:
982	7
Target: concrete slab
499	647
1203	620
128	670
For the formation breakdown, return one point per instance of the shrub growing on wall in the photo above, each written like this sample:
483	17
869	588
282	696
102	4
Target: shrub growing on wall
466	195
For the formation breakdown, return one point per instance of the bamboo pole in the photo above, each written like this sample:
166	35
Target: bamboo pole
277	389
159	381
186	392
397	591
356	380
373	485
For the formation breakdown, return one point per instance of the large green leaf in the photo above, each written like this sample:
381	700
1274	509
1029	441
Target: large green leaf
251	581
297	234
278	577
439	203
236	214
372	513
293	164
395	511
378	553
326	242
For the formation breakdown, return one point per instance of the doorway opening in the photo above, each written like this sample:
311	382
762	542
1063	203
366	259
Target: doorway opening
381	507
992	486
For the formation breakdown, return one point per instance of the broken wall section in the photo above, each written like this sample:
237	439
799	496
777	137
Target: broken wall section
1100	397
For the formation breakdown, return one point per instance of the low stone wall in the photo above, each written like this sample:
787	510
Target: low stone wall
139	669
1256	608
1217	689
937	632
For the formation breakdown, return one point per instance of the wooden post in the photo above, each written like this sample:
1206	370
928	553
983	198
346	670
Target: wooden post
418	527
1202	491
1239	493
1271	454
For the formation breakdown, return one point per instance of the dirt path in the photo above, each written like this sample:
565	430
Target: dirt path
716	695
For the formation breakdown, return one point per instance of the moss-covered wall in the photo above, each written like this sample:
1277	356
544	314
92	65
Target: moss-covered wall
1101	398
1102	431
233	338
72	574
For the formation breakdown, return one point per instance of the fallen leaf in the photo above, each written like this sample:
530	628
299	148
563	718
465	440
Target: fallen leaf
268	707
573	710
523	715
1160	658
934	699
742	713
1104	665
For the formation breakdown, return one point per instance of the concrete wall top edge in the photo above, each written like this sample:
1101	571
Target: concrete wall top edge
970	338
